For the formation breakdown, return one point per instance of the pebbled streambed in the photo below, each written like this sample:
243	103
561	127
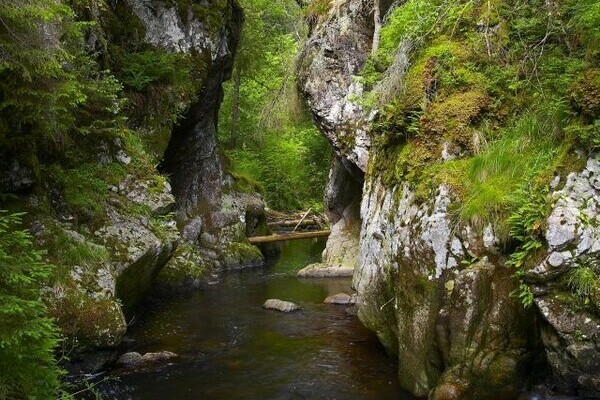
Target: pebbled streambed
230	348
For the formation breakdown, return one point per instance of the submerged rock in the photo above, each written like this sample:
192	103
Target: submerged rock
130	359
341	298
134	358
280	305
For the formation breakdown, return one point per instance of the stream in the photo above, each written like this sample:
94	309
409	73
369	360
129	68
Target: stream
230	348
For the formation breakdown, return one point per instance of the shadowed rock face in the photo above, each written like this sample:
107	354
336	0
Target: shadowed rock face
92	306
571	337
192	158
212	217
438	293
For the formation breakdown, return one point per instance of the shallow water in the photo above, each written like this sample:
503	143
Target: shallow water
230	348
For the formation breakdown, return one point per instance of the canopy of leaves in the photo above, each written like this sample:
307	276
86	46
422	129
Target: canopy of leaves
266	130
27	337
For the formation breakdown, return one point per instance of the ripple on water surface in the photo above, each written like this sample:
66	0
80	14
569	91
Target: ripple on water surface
230	348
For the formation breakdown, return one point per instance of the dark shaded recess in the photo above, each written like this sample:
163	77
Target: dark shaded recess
192	159
344	189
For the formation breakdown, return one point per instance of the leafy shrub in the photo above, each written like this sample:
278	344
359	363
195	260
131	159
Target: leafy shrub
153	66
292	168
583	280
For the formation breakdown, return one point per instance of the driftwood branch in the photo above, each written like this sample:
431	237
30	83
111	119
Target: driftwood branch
302	219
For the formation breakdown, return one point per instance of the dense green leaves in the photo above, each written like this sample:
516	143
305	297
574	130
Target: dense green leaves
27	337
264	126
52	93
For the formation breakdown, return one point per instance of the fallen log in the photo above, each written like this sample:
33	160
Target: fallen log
302	219
289	223
290	236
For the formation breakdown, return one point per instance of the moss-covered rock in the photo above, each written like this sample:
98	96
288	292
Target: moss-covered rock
468	138
96	201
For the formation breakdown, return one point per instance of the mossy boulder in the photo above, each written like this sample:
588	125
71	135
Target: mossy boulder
585	94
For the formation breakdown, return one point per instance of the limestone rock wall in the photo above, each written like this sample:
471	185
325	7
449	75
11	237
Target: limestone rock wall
114	223
333	54
438	292
439	298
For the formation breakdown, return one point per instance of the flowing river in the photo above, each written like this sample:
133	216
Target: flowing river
230	348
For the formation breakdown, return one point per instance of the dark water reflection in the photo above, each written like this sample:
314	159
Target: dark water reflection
230	348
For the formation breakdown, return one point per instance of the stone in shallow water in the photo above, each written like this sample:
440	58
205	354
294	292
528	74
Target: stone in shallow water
130	359
160	356
341	298
325	271
135	359
280	305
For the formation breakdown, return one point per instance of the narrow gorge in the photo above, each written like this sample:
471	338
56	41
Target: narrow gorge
450	149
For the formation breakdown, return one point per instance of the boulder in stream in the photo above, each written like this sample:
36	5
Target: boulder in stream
341	298
134	358
320	270
280	305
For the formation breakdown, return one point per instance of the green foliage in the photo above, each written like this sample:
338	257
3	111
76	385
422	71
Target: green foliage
266	131
317	9
154	66
583	281
27	336
511	88
495	178
524	294
291	169
414	22
84	190
526	226
65	251
51	90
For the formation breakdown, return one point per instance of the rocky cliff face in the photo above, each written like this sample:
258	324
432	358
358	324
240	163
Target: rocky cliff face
112	223
334	53
437	290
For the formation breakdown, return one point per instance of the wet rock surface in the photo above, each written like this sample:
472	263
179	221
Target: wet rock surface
321	270
135	359
281	305
341	299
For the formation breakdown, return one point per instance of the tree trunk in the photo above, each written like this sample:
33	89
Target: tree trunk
377	30
235	107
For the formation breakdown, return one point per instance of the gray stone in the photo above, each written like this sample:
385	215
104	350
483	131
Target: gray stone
320	270
556	259
130	359
555	182
281	305
158	357
571	341
145	193
135	359
456	330
327	65
15	176
341	298
562	225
